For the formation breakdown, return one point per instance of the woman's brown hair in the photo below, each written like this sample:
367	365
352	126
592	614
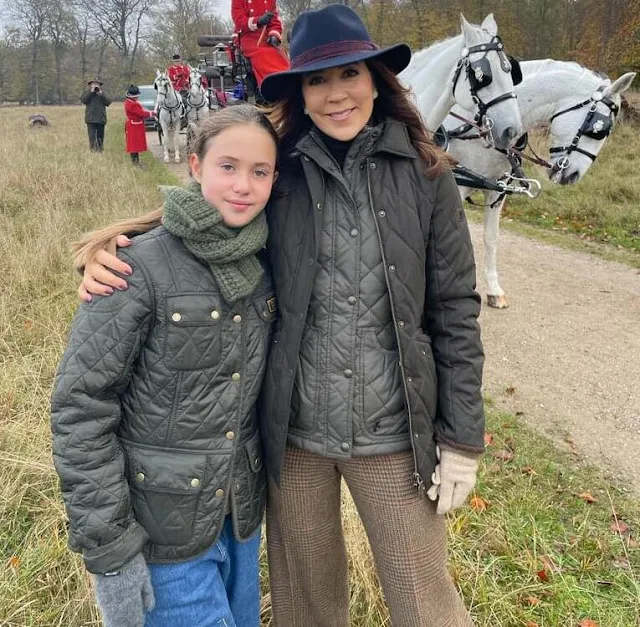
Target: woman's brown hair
86	248
393	102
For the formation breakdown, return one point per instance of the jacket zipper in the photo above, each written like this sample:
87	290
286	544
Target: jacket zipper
418	482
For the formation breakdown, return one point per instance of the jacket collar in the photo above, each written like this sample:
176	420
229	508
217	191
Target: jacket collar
390	136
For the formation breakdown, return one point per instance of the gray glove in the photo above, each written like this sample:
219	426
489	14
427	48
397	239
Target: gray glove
265	18
453	479
124	597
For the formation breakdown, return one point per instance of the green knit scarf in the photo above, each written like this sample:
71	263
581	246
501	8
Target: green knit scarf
229	252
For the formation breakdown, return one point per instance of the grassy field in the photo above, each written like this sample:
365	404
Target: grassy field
546	541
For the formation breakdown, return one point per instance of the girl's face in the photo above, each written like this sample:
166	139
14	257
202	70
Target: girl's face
339	100
237	172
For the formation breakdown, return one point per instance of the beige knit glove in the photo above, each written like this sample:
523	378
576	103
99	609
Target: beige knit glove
452	480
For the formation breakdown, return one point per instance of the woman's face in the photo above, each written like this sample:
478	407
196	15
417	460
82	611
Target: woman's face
237	172
339	100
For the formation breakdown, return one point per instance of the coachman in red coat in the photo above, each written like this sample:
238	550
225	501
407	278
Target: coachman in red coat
258	22
136	136
179	74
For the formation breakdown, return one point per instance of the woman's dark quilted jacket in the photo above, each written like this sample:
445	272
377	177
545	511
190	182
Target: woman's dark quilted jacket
429	274
155	433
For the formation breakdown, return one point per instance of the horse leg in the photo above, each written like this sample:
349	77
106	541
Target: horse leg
166	143
176	143
495	294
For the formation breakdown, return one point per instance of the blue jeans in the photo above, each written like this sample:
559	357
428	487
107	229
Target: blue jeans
220	588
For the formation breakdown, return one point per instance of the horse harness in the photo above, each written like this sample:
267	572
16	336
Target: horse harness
595	125
479	75
172	109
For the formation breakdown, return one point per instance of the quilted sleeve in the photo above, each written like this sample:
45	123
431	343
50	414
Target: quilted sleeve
451	311
104	341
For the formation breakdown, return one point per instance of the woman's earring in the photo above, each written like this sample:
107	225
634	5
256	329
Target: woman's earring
375	94
305	111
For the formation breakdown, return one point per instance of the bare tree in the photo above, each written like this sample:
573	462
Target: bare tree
31	16
122	22
60	27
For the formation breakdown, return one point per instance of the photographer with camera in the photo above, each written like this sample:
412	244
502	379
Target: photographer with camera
95	113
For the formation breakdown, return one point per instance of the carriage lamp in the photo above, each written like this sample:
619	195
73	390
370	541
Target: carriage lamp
220	56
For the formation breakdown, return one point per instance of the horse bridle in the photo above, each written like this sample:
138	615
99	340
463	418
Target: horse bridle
479	75
178	104
595	125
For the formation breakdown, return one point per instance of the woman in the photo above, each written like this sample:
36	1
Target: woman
375	367
259	30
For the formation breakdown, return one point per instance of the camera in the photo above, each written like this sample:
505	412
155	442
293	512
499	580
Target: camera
96	90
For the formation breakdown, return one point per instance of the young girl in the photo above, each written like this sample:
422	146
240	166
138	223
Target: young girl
155	436
135	132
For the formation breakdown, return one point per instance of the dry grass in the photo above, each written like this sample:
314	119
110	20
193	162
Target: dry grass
51	190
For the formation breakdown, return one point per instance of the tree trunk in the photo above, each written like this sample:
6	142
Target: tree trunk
35	81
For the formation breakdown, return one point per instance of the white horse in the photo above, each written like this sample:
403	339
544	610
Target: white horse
473	70
170	108
579	104
197	103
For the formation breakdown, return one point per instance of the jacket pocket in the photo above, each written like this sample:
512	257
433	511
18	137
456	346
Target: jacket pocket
305	400
193	336
382	390
165	490
250	494
427	373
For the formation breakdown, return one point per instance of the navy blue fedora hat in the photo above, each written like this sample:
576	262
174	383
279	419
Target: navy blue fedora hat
330	37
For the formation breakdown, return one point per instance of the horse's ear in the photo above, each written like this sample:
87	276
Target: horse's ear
467	29
621	85
157	73
489	24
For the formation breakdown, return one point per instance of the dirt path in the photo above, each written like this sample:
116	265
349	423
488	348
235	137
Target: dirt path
566	354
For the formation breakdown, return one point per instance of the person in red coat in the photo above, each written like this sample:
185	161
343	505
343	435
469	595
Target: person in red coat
134	127
260	32
179	75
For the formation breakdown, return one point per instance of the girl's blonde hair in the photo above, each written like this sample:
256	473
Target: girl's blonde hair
86	248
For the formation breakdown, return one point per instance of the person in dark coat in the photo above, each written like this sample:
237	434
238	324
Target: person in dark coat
95	113
375	369
155	434
136	135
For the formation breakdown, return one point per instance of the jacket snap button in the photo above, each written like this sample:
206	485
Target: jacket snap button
416	435
195	482
352	300
348	373
392	268
219	493
424	352
382	214
345	446
176	317
319	206
140	477
235	377
230	435
372	165
354	232
237	318
400	323
305	158
409	380
215	314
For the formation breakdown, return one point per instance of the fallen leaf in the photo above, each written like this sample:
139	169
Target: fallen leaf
527	470
587	622
571	442
531	623
510	391
28	324
505	456
543	575
14	561
587	497
478	504
619	526
549	564
533	601
622	563
488	439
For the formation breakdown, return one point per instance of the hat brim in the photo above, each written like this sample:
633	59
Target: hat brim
396	58
97	82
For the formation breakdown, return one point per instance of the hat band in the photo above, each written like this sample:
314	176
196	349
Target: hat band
328	51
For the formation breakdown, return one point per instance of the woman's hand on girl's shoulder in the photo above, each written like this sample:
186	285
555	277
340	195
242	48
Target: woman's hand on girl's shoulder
97	277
